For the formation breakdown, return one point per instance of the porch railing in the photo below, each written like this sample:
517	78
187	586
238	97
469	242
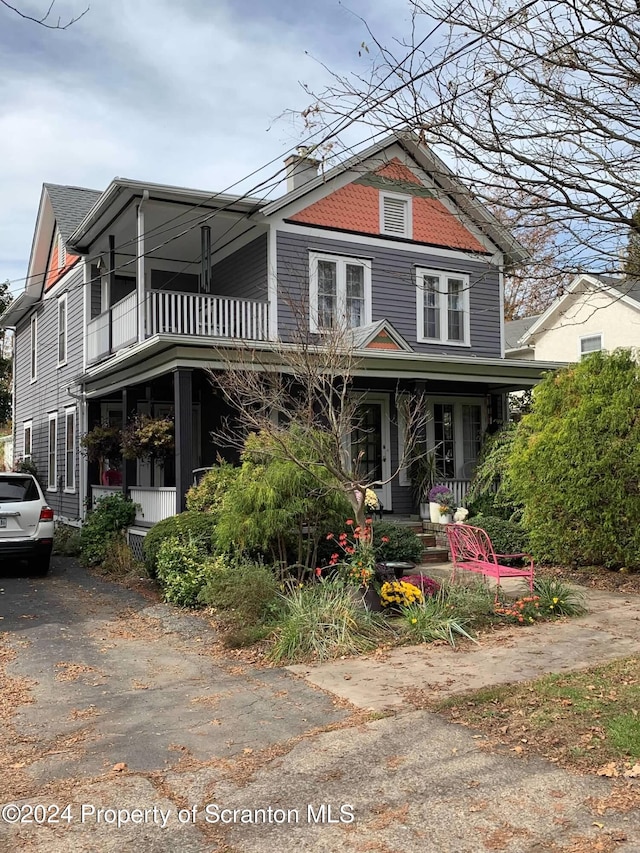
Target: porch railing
459	489
124	322
169	312
98	337
155	504
98	492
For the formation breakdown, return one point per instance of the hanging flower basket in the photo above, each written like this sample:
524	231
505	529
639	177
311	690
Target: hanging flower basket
102	442
147	438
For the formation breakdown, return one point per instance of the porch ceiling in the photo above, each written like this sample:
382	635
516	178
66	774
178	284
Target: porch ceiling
164	353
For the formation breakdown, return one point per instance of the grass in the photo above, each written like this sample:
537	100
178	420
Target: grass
587	720
325	621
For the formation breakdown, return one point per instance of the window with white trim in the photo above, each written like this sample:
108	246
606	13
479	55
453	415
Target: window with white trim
62	253
70	450
34	348
395	215
442	307
52	452
589	344
340	292
27	438
62	329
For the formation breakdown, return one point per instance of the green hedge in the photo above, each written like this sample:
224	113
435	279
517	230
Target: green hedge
196	527
507	537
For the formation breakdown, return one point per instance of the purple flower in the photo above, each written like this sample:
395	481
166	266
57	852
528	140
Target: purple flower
437	492
425	584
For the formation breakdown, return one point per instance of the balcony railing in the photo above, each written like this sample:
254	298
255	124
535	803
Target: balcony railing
459	489
169	312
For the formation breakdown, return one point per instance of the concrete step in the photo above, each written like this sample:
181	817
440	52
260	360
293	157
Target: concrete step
428	539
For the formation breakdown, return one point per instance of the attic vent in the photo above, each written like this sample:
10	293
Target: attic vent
395	215
62	252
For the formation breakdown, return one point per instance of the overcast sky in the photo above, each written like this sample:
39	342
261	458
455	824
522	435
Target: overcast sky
184	92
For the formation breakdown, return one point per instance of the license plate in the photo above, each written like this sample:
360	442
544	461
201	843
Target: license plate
3	522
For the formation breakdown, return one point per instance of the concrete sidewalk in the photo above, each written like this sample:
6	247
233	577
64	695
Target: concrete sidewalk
610	630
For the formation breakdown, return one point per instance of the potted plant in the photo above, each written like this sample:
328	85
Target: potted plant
102	442
441	504
423	477
148	438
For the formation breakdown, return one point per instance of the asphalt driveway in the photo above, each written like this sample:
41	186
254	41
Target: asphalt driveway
124	729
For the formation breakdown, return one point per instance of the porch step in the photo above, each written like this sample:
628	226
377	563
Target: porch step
428	539
435	555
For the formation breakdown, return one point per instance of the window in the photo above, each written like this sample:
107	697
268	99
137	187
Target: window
62	329
70	450
340	292
62	253
52	452
34	348
456	431
589	344
395	215
27	440
443	307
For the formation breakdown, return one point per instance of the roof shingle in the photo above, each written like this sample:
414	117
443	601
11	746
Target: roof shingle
70	206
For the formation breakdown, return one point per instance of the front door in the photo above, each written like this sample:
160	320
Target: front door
371	445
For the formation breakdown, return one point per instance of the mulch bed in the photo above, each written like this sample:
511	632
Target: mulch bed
595	577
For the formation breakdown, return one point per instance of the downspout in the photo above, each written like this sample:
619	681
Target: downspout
140	268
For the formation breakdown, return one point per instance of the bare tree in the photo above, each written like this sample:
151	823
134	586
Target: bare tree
307	386
537	103
46	19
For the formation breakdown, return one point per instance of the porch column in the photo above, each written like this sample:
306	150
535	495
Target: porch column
183	404
140	268
124	464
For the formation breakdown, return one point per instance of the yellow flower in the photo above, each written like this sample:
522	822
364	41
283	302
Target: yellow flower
555	600
413	621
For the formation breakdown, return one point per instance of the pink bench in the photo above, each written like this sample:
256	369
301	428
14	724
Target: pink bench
472	551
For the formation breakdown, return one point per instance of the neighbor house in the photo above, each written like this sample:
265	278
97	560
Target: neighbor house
597	312
131	292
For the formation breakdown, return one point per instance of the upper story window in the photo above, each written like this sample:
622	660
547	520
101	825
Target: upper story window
62	253
62	329
589	344
34	348
340	292
395	215
442	307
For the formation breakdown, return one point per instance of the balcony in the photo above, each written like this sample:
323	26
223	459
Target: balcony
176	313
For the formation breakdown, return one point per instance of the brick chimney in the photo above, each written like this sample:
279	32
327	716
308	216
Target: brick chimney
300	170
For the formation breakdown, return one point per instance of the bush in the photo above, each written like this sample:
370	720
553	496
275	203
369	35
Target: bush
110	516
325	620
66	540
208	495
248	589
119	561
276	508
432	620
196	527
507	537
575	463
182	571
404	543
492	492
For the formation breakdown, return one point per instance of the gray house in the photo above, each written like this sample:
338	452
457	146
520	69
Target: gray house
131	290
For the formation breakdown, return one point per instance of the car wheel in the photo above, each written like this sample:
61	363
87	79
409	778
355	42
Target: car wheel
39	566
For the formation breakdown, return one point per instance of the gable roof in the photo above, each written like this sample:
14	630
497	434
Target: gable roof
516	329
379	335
70	206
624	290
444	179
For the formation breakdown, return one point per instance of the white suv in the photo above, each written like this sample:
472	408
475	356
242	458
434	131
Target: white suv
26	522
